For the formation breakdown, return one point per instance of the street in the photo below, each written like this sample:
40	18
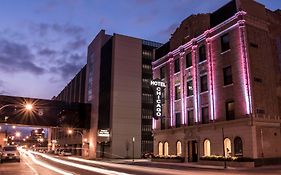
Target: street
40	163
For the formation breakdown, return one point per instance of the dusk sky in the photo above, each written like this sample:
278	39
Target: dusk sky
43	43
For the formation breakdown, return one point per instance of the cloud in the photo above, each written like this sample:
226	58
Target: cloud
17	57
46	28
142	2
77	43
47	52
169	30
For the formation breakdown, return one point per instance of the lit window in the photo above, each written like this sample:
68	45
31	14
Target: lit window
189	88
207	147
179	151
225	43
227	147
166	149
160	149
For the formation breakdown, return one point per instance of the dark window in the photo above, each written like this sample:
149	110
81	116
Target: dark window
190	118
163	123
259	80
227	75
230	110
162	72
177	92
254	45
189	88
188	60
225	43
178	120
204	83
202	53
177	65
238	147
260	111
205	115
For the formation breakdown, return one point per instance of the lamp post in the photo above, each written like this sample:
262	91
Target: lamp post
27	106
84	140
133	149
223	147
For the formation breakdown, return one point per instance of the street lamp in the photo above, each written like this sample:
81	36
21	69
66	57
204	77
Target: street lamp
84	140
133	149
18	134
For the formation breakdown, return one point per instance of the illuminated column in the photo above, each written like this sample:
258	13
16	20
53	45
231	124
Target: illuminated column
195	83
245	67
182	85
172	88
211	79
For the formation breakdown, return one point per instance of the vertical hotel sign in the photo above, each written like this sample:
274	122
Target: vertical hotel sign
158	87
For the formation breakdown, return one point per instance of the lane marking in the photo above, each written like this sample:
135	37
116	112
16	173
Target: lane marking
48	166
25	161
85	167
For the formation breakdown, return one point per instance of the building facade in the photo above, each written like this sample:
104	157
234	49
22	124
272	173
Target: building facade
117	86
223	77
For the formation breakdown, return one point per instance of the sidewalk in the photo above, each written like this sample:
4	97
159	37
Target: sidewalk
149	163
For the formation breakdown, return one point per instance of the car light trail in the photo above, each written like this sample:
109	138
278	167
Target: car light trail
45	164
85	167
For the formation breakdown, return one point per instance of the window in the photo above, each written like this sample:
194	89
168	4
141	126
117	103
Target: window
225	43
189	88
204	83
227	147
238	147
177	92
160	149
162	72
177	65
166	149
230	110
205	115
227	76
178	120
190	117
202	53
163	123
188	60
207	147
179	152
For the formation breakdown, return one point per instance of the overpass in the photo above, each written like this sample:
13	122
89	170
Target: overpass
47	113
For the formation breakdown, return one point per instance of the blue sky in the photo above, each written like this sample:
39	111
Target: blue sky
43	44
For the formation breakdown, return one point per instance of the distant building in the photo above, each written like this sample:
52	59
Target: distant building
223	76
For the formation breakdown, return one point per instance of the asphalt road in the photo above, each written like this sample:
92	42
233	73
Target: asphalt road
45	164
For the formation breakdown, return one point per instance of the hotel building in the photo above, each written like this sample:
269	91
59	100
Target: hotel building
223	85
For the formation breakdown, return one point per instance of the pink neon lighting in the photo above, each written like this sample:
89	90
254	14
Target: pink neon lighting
182	90
244	62
211	79
195	98
153	123
171	92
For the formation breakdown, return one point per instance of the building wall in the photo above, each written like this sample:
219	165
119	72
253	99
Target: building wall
126	95
254	88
